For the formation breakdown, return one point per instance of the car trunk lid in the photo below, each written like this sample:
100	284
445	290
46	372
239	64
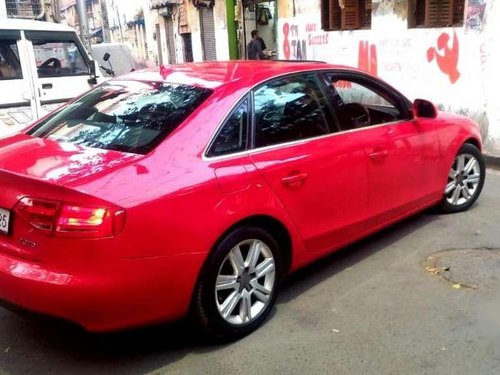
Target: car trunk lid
45	169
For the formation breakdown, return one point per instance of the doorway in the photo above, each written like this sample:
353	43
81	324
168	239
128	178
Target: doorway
262	17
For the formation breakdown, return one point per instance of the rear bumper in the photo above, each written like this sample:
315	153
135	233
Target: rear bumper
130	293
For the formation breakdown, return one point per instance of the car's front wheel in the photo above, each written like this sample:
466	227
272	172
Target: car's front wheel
465	180
239	283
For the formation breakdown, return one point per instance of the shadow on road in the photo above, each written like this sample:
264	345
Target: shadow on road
44	345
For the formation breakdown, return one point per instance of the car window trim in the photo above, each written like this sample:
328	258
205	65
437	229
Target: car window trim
252	151
403	104
224	122
318	72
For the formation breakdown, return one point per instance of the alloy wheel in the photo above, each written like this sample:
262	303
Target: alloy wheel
245	282
463	179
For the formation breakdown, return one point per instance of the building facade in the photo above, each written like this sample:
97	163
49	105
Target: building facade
442	50
204	30
192	30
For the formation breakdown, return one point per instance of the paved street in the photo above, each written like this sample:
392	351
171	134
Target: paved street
373	308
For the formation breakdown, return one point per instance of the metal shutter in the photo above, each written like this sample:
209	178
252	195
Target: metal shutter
208	34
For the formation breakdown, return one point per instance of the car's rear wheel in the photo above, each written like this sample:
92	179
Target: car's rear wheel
465	180
239	284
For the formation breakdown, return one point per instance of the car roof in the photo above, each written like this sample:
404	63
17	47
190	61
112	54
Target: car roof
16	24
220	73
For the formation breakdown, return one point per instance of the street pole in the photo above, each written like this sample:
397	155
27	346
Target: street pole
106	38
83	22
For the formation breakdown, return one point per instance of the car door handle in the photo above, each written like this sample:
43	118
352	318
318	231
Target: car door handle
295	179
46	86
378	154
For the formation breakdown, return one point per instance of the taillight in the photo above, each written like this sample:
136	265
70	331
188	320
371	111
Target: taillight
71	220
39	212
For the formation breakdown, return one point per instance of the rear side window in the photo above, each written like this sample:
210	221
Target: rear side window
232	137
290	109
10	66
129	116
58	59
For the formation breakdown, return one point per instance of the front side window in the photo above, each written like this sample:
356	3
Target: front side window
233	135
359	105
129	116
290	109
58	59
10	66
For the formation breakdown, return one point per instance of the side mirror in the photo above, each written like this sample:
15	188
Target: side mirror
106	56
93	76
424	109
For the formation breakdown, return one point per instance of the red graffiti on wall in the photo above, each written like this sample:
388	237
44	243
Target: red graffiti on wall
446	57
286	42
367	57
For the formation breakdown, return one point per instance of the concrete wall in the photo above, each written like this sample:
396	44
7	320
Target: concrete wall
464	81
3	9
221	35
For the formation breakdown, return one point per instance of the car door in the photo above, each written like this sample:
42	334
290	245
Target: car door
15	90
61	66
402	154
319	176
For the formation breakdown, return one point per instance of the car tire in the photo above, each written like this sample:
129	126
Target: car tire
235	294
465	180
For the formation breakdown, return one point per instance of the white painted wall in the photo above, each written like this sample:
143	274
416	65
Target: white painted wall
163	39
221	35
3	9
150	20
194	24
402	58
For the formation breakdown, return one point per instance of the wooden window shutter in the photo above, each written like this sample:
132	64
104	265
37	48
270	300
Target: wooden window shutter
439	12
431	13
366	13
446	12
335	22
183	20
324	14
350	15
458	12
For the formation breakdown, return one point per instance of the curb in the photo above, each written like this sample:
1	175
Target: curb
492	161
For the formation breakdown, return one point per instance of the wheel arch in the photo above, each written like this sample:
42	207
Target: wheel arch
274	227
474	142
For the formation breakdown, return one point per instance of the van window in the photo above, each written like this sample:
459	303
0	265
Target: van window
58	59
128	116
10	67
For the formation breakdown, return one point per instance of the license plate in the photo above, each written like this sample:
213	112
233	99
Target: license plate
4	220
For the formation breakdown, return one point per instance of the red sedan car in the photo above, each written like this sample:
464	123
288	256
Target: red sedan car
199	189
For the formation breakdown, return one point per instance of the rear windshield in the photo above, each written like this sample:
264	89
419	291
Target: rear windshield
129	116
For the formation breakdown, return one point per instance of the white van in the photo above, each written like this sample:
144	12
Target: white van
42	65
120	62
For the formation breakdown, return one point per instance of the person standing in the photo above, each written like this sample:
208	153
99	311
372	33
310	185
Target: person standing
254	48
